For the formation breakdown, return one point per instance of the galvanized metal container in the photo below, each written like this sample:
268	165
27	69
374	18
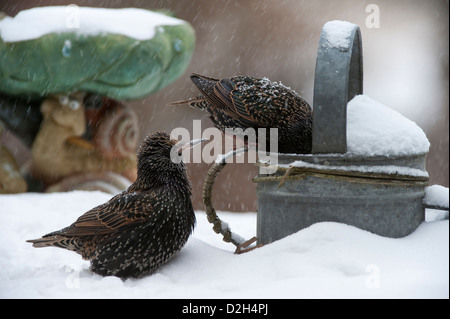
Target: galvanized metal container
332	184
385	204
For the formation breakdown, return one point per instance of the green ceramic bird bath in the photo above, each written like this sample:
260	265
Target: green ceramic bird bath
120	53
54	61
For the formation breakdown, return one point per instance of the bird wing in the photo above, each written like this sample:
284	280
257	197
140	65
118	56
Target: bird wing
122	210
206	85
248	104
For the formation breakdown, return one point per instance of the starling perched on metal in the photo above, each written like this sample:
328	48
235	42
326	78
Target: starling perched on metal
144	226
247	102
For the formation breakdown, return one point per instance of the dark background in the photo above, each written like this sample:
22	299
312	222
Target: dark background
405	66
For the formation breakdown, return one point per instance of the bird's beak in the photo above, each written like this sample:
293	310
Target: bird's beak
186	145
191	144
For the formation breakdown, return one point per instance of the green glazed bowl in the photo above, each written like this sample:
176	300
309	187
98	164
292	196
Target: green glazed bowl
114	65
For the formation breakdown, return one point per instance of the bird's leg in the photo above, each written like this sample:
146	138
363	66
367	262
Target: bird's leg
240	249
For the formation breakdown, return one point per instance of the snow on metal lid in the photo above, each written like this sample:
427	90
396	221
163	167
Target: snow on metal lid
375	129
363	169
33	23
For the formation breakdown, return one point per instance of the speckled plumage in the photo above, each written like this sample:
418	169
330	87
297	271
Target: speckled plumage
243	102
141	228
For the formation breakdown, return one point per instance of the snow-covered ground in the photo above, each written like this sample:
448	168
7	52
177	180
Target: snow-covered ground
326	260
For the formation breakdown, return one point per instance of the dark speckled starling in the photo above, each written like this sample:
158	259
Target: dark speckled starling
243	102
144	226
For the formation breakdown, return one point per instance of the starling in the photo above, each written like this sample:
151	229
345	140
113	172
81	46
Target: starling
144	226
247	102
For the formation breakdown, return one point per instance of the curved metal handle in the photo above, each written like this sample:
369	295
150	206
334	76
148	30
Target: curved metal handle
338	79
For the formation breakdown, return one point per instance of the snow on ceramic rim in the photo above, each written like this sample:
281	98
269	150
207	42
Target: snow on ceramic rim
374	129
337	33
33	23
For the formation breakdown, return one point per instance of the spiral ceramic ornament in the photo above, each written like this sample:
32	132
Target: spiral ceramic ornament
116	133
59	151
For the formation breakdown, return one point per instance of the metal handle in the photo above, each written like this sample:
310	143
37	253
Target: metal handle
338	79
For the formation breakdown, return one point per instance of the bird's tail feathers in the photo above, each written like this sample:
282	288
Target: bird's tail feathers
196	103
195	76
55	241
45	241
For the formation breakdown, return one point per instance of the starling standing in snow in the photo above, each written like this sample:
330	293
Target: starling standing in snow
246	102
144	226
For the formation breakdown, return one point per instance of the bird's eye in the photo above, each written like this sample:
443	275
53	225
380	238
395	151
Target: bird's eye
63	99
